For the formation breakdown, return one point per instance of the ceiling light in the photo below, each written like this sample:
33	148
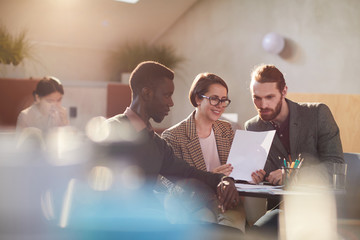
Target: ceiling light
128	1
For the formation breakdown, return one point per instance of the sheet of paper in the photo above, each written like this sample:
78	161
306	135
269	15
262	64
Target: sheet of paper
248	188
255	186
248	152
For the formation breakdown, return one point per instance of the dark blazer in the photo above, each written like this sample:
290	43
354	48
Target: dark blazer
313	133
184	140
152	154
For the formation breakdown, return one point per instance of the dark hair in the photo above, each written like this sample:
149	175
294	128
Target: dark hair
149	74
268	73
201	85
48	85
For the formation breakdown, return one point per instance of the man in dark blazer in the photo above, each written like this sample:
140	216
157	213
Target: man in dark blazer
306	130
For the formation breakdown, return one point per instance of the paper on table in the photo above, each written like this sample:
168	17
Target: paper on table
248	152
265	189
255	186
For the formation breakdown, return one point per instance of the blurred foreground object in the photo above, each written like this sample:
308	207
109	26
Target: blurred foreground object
103	196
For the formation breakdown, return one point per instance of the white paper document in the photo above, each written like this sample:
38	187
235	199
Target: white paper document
242	186
250	188
249	152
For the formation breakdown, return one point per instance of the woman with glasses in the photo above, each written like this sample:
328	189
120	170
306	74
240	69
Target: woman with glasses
204	141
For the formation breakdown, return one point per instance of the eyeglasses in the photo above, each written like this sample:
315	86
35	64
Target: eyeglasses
214	100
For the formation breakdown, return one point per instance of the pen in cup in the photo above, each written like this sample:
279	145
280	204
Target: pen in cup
284	161
296	163
300	163
290	161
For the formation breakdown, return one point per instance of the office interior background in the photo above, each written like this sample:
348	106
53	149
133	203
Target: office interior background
76	40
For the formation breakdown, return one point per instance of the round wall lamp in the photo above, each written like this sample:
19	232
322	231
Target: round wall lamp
273	43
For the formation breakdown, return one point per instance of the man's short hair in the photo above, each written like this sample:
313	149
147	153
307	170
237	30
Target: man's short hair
149	74
201	85
268	73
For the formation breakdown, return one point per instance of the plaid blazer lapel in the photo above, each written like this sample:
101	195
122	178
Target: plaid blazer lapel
223	143
193	146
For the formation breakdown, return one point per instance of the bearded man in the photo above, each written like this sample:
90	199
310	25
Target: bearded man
302	129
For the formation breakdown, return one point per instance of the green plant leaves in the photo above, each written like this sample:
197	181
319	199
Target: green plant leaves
130	55
13	49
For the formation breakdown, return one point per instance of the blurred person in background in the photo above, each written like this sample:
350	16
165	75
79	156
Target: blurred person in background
46	112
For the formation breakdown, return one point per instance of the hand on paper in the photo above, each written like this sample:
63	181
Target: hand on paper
275	177
258	176
225	169
227	194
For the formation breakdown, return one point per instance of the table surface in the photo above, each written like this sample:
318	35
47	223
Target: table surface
261	191
265	191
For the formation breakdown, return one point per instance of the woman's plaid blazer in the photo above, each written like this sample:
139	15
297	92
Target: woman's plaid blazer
184	140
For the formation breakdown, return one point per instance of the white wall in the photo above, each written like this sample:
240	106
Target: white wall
74	41
77	40
224	37
71	39
89	100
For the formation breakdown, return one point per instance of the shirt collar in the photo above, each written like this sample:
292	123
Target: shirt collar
135	120
283	125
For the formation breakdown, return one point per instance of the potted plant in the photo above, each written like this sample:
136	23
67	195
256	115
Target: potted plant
13	49
130	55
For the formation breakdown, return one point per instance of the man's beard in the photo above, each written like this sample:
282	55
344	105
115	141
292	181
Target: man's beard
274	112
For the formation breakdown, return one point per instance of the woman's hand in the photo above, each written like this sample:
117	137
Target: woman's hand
225	169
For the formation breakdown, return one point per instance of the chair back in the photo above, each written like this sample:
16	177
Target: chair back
353	169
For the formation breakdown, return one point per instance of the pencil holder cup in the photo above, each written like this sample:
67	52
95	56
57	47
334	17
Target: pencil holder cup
289	176
339	175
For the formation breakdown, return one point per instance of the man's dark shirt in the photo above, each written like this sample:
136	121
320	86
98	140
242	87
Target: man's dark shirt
153	155
282	131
